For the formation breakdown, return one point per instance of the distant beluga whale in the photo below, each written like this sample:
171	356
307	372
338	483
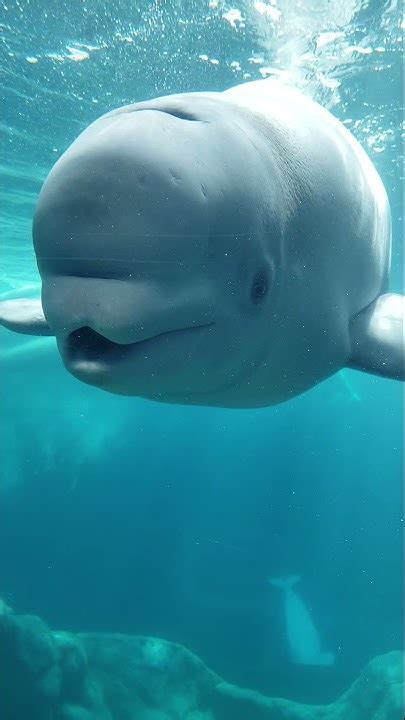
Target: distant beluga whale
228	249
303	640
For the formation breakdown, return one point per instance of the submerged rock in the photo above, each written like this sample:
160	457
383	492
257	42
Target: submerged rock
48	675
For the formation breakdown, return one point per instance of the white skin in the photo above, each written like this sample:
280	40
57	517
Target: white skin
192	251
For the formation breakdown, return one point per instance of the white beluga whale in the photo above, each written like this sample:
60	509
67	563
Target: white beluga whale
228	249
304	645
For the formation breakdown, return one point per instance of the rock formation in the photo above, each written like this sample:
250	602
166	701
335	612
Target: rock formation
47	675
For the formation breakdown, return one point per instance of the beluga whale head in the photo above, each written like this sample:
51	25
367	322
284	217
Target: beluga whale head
226	249
155	278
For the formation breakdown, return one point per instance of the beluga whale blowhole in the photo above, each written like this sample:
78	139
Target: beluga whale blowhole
227	249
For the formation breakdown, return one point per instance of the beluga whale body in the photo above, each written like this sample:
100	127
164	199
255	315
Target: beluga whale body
304	645
228	249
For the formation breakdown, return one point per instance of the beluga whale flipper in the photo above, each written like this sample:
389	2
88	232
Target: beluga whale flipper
24	316
228	249
302	636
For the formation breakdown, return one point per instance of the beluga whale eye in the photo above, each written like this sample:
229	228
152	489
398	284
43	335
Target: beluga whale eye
259	287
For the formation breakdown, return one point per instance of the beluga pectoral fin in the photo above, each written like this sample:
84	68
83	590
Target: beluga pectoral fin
377	335
24	316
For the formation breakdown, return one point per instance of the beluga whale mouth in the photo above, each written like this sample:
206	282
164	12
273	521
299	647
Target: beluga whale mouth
87	353
87	344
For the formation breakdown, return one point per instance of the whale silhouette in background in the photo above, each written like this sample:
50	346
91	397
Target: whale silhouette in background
304	644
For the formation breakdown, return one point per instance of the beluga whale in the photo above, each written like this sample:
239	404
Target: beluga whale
215	248
304	645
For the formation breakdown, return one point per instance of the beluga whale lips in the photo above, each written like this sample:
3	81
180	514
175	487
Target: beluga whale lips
90	349
86	343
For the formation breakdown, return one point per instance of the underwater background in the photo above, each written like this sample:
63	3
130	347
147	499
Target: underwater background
122	515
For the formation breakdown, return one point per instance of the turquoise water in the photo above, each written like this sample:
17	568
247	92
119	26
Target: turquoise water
124	515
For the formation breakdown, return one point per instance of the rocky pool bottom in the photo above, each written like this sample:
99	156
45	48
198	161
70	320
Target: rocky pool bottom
46	675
